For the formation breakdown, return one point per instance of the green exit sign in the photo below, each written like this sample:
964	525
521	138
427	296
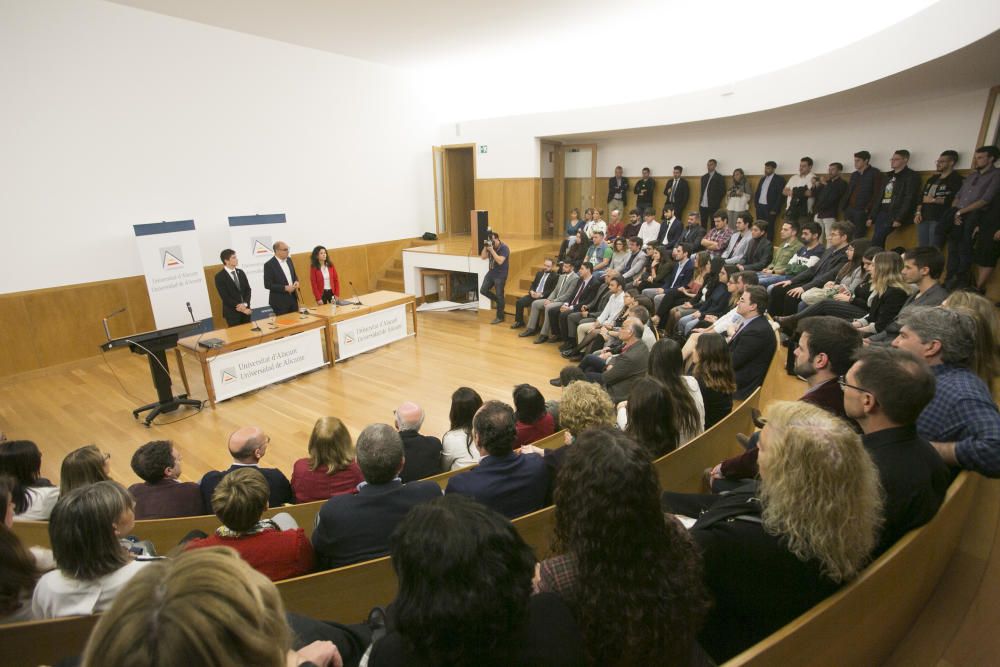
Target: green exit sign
482	149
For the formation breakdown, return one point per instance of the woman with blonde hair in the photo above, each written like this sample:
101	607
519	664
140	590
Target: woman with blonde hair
888	294
583	405
205	608
83	466
332	466
805	529
987	356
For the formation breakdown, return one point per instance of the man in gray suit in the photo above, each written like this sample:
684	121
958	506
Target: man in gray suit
623	370
565	286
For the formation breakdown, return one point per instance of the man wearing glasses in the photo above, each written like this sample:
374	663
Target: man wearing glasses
281	281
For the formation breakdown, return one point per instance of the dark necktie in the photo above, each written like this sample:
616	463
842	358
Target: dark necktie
579	291
236	279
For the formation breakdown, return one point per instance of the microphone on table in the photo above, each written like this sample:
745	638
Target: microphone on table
193	320
355	293
107	332
304	311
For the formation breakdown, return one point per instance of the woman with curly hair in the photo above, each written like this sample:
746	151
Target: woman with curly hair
465	594
583	405
807	528
631	576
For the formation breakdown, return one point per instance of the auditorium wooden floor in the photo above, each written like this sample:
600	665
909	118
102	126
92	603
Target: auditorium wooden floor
65	407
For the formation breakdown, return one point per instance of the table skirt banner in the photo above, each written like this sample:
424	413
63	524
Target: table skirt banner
251	237
240	371
175	276
367	332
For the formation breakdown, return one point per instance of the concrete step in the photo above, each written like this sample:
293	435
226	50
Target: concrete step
394	273
397	264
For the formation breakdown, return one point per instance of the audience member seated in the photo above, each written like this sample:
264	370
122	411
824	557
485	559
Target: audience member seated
914	477
509	482
465	595
622	370
21	567
717	238
789	248
720	324
248	446
687	412
541	287
86	528
647	417
34	497
211	609
689	276
632	579
759	250
355	528
752	344
330	469
83	466
276	547
458	450
846	297
619	253
987	364
773	550
785	295
162	495
656	272
961	421
533	421
824	352
713	299
422	453
922	268
583	405
713	369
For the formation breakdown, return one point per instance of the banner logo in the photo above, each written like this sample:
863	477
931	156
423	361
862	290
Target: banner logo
229	375
347	338
260	246
172	257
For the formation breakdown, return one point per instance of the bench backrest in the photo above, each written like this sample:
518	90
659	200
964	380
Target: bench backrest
864	622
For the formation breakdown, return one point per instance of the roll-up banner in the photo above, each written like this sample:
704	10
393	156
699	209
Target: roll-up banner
252	237
175	274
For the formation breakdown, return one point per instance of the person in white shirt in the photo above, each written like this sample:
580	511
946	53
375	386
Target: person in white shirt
805	178
458	447
33	496
736	249
650	228
614	306
86	527
597	224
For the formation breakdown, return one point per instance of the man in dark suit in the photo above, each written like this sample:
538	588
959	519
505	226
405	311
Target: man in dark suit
589	304
897	201
422	452
670	228
713	188
914	476
644	191
752	344
281	281
621	372
759	251
510	483
693	231
247	446
234	289
677	191
768	196
824	352
352	528
785	295
541	288
617	191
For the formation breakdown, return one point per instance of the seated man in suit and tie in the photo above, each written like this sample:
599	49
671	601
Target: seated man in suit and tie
422	452
541	288
351	528
247	446
234	289
281	281
506	481
623	370
752	343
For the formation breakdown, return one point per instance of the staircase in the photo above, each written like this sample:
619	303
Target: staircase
391	278
519	281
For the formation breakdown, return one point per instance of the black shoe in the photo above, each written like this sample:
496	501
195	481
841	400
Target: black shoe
498	320
527	332
571	352
576	357
517	324
554	339
541	339
568	345
555	382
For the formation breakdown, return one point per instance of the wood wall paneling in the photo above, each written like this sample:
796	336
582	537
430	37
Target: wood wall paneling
513	203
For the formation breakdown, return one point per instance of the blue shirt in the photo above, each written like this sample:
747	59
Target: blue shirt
500	270
962	411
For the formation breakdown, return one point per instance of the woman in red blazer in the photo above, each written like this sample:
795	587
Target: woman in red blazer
323	276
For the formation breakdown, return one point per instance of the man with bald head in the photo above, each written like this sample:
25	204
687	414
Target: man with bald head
422	453
247	446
